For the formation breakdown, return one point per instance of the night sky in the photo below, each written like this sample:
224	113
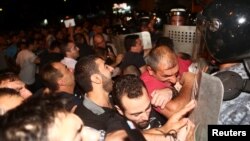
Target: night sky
21	13
16	14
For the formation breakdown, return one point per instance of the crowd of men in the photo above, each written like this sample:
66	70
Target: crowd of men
75	84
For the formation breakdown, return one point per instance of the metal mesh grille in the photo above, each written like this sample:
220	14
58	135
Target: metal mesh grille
182	36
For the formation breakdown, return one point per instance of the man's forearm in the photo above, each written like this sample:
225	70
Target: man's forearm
157	136
178	102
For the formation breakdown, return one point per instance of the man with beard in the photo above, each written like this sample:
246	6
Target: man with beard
132	101
94	77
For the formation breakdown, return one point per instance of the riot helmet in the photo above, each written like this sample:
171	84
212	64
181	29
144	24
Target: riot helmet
177	16
225	28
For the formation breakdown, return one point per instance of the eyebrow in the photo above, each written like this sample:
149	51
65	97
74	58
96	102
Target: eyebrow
149	105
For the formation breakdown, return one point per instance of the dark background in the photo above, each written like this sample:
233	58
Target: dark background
23	13
18	14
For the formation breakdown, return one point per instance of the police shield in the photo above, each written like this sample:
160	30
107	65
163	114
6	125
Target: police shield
144	36
183	37
208	91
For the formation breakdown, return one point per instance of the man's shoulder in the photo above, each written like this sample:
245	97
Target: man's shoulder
108	121
147	78
236	111
89	118
84	112
90	110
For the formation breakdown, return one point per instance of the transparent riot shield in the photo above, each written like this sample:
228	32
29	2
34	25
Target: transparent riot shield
208	91
183	37
144	36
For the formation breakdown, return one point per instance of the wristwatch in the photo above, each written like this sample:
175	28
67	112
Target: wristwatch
102	135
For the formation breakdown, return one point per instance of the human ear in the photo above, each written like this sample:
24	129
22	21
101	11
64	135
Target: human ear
150	70
95	78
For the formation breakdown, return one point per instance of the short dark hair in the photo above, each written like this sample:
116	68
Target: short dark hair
127	85
85	67
130	41
131	69
55	44
50	75
166	41
9	92
30	120
9	76
79	39
65	46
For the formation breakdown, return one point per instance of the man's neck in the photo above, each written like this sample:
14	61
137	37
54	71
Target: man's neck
70	57
67	89
100	98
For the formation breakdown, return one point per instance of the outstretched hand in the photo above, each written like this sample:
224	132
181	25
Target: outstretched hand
177	120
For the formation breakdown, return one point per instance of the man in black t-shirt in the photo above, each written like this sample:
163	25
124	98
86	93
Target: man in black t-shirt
134	53
52	54
132	101
94	77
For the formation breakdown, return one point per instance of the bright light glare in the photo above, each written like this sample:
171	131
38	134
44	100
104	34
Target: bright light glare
1	9
241	20
128	18
158	20
65	0
121	8
45	21
61	20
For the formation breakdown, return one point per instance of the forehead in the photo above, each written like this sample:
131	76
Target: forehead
10	101
98	38
7	98
11	84
134	105
65	127
71	44
167	61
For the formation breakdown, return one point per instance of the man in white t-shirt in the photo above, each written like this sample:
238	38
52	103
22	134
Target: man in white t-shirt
71	53
27	61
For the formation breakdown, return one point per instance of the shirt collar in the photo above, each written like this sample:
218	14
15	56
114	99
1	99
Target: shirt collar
92	106
70	59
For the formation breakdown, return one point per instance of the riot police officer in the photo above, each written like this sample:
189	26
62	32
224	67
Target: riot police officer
225	26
